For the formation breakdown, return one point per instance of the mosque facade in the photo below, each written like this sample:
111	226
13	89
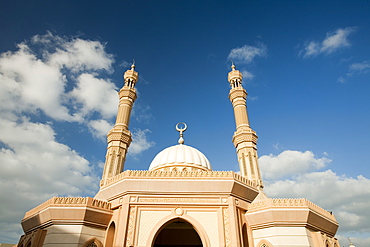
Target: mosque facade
179	201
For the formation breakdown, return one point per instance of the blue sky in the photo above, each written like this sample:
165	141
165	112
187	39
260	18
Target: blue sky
306	67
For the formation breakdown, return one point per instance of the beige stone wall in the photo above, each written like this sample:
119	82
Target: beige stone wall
71	235
283	236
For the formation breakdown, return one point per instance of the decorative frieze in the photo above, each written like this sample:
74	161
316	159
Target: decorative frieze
180	200
69	202
134	174
290	203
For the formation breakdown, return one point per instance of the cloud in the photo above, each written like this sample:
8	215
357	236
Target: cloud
74	54
95	95
359	68
37	75
346	196
332	42
247	53
355	69
247	75
290	163
29	84
35	167
99	128
45	82
139	142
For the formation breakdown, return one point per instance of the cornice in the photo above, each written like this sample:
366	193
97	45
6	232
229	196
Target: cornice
70	202
289	203
159	174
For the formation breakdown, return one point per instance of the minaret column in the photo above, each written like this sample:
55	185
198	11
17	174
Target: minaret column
119	138
244	138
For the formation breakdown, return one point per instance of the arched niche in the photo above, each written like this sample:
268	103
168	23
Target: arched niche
178	232
109	238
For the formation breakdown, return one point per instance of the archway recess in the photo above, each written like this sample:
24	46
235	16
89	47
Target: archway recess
178	233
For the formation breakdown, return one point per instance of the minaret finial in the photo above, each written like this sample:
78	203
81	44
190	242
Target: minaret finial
234	77
131	76
181	130
232	65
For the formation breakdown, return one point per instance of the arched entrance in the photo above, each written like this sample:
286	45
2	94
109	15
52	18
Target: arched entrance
178	233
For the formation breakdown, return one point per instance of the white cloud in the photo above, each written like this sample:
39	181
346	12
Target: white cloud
312	49
139	142
290	163
247	75
358	68
95	95
355	69
75	54
29	84
332	42
346	196
34	168
39	82
52	79
247	53
99	128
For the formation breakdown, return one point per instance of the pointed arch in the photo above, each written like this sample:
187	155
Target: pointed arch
93	242
177	233
186	218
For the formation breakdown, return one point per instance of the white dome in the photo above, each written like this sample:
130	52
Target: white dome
180	156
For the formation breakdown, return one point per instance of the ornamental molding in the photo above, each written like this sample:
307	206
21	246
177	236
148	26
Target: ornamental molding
196	175
119	135
237	92
245	136
130	227
225	213
180	200
289	203
70	202
127	92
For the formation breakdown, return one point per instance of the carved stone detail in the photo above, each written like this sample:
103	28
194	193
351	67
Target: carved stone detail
180	200
225	212
130	227
70	202
179	174
291	203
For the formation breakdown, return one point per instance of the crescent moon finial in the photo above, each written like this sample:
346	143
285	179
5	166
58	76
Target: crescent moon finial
181	127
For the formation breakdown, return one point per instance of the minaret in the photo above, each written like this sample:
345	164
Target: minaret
119	138
244	138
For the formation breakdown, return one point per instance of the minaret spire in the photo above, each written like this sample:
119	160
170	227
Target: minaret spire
244	138
119	138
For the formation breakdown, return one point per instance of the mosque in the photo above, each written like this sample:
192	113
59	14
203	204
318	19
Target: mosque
179	201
